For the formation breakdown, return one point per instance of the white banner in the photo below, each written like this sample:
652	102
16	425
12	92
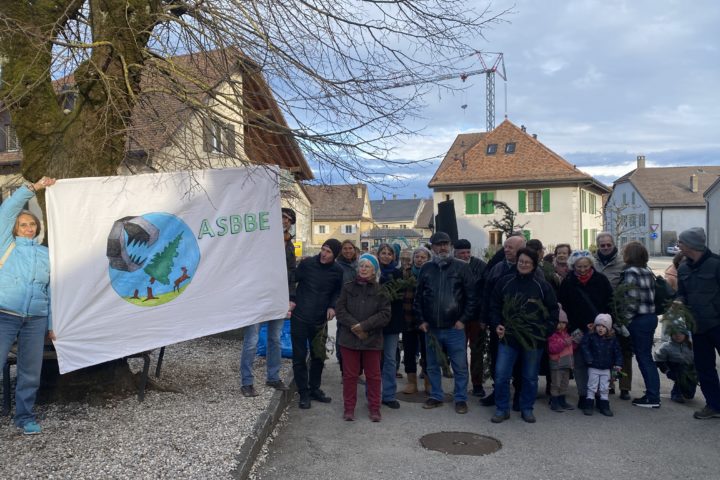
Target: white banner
144	261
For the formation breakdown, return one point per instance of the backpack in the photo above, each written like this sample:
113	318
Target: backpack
664	295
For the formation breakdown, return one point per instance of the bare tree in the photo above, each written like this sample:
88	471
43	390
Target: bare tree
622	220
75	71
507	223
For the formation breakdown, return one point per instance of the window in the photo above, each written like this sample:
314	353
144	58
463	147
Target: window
632	196
471	204
593	205
642	221
218	137
322	229
385	225
624	220
491	149
348	229
632	220
624	198
510	147
8	141
623	241
495	237
583	201
534	200
403	226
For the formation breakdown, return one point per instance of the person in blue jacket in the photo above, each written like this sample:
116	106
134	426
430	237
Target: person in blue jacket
24	298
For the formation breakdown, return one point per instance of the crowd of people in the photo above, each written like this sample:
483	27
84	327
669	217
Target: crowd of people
568	315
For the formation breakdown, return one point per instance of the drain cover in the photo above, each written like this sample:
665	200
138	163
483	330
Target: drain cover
460	443
418	397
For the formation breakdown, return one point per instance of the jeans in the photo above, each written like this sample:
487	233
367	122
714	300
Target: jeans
30	335
369	362
642	331
704	347
506	358
302	335
452	340
274	355
389	366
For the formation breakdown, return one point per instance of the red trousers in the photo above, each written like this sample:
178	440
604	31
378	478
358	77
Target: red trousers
352	362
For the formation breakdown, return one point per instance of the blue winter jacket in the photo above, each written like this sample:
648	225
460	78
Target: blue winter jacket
25	277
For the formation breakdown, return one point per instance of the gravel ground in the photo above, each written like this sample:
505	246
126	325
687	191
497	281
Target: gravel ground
193	434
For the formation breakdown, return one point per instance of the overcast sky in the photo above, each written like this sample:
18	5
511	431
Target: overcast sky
599	82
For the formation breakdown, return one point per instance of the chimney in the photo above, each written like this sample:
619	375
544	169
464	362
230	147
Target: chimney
394	196
535	136
522	127
694	183
359	191
640	161
414	195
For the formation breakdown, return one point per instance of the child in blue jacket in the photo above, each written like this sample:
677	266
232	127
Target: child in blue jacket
601	352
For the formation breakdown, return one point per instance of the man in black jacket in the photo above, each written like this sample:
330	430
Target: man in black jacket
445	301
699	289
274	327
319	281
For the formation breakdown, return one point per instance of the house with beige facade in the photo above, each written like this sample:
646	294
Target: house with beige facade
239	123
403	221
557	202
341	212
652	205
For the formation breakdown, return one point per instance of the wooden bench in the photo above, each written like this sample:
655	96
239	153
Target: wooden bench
49	353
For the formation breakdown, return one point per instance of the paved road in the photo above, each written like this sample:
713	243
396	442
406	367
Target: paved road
635	444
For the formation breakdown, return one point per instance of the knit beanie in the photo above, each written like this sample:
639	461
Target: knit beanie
694	238
370	258
577	255
605	320
562	316
333	245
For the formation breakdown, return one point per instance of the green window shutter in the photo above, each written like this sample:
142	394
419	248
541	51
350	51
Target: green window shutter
471	203
585	238
546	200
522	204
486	205
526	234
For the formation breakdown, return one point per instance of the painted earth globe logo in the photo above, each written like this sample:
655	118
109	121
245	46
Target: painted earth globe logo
153	258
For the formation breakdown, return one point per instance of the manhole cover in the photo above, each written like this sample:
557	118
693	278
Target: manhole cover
418	397
460	443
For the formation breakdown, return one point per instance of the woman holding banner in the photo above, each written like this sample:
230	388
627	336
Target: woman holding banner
24	298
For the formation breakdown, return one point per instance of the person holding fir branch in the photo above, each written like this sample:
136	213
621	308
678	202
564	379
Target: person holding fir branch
523	313
390	273
414	339
602	354
674	358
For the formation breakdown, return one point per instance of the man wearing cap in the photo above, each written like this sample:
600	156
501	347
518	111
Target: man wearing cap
699	289
476	336
445	301
319	281
274	327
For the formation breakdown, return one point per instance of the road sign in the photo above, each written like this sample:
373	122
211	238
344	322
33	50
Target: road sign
653	235
654	227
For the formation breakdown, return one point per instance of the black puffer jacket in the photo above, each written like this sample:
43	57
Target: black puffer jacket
699	289
397	322
528	288
318	288
583	303
445	294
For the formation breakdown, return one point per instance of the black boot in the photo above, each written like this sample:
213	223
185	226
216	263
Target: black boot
555	405
588	406
488	401
604	407
563	404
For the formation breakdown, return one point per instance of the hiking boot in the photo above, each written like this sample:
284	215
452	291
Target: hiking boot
588	406
528	417
277	385
677	398
248	391
374	416
555	405
604	407
488	401
411	386
706	413
394	404
645	402
500	417
432	403
349	416
461	407
319	396
563	404
304	402
624	394
31	428
478	391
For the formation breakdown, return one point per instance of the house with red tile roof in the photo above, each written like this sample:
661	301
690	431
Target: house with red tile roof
558	202
653	205
216	110
341	212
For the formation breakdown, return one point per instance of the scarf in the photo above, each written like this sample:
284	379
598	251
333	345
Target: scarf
362	281
605	259
584	279
386	271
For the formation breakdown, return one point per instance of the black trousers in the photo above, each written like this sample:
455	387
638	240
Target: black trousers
302	335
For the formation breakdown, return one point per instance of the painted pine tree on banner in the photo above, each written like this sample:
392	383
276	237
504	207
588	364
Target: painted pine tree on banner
161	265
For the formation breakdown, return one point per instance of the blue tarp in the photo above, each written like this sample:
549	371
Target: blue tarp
285	342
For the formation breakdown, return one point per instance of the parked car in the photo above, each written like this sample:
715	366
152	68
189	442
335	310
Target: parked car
673	249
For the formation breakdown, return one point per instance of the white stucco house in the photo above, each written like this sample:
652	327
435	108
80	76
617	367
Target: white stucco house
653	205
559	203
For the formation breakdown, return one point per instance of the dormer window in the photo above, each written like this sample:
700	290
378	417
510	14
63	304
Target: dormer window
510	147
491	149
